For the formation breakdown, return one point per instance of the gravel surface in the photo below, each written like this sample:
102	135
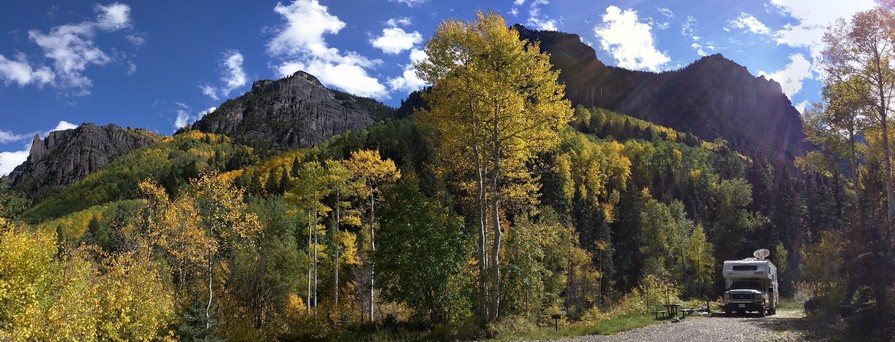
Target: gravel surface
784	326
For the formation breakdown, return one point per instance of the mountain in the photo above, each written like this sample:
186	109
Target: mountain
293	112
65	157
712	98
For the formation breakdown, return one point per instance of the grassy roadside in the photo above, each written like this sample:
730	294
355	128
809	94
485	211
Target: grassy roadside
607	326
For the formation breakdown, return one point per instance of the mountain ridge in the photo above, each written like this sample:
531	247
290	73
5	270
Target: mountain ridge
293	112
714	97
67	156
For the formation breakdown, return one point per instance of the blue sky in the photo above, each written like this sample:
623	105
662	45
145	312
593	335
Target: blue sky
161	64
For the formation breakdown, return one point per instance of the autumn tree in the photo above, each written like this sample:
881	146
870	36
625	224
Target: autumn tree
857	56
494	105
370	173
307	196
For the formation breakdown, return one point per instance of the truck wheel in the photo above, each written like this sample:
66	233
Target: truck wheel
772	311
727	312
762	312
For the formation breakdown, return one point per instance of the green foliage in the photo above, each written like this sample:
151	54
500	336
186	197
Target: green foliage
422	256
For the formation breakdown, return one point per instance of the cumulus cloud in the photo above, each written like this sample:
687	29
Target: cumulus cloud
748	22
409	81
232	76
300	45
10	159
394	39
7	136
61	126
792	75
813	17
538	20
19	71
72	49
629	41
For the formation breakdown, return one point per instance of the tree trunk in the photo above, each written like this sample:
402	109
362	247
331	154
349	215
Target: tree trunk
483	214
315	263
210	291
336	247
308	302
372	251
890	193
483	238
495	216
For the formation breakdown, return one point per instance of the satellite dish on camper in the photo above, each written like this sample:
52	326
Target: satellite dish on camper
761	254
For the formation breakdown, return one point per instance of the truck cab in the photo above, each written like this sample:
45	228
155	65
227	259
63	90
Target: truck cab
750	286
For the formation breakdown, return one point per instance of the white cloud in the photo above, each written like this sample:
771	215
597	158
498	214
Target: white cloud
395	40
209	90
792	75
666	12
813	18
409	3
748	22
300	45
801	106
629	41
698	48
395	22
518	2
232	75
688	28
10	159
21	72
114	17
538	21
62	126
409	81
6	136
135	40
349	76
72	49
186	117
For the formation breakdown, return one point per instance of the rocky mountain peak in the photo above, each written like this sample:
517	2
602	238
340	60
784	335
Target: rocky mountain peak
38	149
292	112
65	157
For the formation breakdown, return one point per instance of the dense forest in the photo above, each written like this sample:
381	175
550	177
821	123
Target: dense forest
486	204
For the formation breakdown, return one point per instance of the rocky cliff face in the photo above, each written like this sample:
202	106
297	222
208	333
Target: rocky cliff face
711	98
65	157
292	112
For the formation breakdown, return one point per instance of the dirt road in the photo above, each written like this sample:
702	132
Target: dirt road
784	326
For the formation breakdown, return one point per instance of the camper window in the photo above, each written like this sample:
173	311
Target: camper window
746	285
745	268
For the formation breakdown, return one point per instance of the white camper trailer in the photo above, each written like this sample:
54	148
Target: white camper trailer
751	285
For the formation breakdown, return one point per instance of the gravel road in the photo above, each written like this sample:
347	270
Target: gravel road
784	326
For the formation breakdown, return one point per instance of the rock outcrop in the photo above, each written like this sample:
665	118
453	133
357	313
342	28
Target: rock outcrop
293	112
65	157
711	98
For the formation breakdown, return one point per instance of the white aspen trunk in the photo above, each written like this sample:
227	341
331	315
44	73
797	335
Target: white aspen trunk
315	263
336	247
308	302
372	251
210	291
